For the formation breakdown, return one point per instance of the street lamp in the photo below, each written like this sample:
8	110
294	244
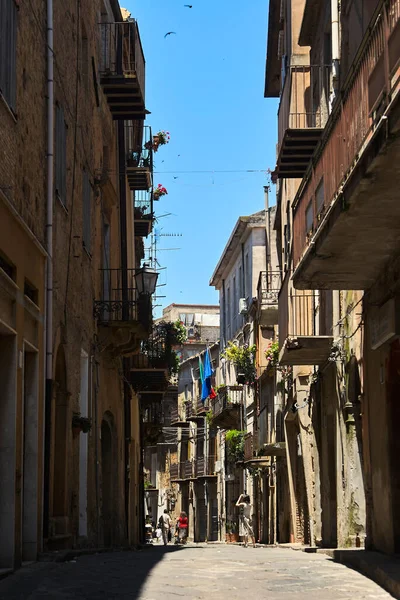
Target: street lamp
146	280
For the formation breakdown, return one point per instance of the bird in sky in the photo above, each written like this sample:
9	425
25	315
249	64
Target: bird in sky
188	5
169	33
175	178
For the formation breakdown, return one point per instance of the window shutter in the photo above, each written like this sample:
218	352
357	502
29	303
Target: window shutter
8	50
87	190
61	155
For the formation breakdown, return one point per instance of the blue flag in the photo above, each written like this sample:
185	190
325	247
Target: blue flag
207	389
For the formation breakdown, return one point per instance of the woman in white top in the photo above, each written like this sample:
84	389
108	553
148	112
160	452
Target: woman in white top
245	528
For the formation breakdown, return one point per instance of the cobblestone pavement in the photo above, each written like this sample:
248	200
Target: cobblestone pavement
194	572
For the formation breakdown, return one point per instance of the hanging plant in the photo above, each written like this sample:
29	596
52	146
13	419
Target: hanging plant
160	139
159	192
234	440
243	357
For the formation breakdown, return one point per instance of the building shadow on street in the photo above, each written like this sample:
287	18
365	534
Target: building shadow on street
113	575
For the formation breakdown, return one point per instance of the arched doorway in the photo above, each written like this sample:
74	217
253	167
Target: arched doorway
107	478
60	447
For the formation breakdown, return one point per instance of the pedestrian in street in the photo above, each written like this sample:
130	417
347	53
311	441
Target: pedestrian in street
165	523
245	528
182	527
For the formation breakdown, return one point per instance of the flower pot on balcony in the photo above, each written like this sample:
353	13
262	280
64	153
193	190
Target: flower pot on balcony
156	142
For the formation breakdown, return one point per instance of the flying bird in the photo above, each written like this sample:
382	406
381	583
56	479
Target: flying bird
169	33
188	5
175	178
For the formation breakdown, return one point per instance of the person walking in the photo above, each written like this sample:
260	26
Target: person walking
182	528
245	528
165	522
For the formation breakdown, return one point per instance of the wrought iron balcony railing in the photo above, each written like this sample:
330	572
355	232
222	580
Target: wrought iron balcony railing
119	299
269	284
122	69
139	156
303	112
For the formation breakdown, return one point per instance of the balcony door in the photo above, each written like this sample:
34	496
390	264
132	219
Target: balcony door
106	267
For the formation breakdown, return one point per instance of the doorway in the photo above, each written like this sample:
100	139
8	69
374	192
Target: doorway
8	382
393	388
107	482
30	456
60	445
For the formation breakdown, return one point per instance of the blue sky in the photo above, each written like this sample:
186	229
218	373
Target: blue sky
205	86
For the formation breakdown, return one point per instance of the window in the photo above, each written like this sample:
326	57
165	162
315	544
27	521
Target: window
30	291
7	266
319	197
86	196
309	218
8	47
61	155
228	316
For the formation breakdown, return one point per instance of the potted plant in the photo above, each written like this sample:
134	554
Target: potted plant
228	534
140	212
243	359
234	532
159	192
160	139
272	355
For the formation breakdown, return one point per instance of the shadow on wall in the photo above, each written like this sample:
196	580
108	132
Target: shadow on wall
109	575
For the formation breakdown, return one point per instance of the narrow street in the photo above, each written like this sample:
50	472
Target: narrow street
194	572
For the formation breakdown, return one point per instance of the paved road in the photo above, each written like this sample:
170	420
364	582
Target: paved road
194	572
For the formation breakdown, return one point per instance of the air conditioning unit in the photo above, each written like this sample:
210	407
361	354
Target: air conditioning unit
243	306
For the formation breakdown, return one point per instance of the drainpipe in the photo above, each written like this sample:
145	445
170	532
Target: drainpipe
49	270
335	50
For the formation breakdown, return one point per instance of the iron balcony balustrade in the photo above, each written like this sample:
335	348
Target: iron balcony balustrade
301	336
143	214
195	412
174	472
205	468
226	408
150	367
346	212
120	305
202	408
178	417
303	112
269	284
122	69
139	156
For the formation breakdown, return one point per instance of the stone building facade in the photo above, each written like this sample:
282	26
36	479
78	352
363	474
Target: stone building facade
337	311
69	305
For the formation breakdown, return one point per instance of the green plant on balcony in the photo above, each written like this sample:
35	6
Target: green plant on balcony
234	440
243	357
221	388
209	417
272	354
174	363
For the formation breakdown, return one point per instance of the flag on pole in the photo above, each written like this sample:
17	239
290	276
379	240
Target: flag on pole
207	390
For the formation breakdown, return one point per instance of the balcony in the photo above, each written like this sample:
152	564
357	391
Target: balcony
139	156
303	111
346	212
202	408
226	409
174	472
119	305
150	367
205	468
178	417
122	70
269	284
194	412
251	452
143	214
301	342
